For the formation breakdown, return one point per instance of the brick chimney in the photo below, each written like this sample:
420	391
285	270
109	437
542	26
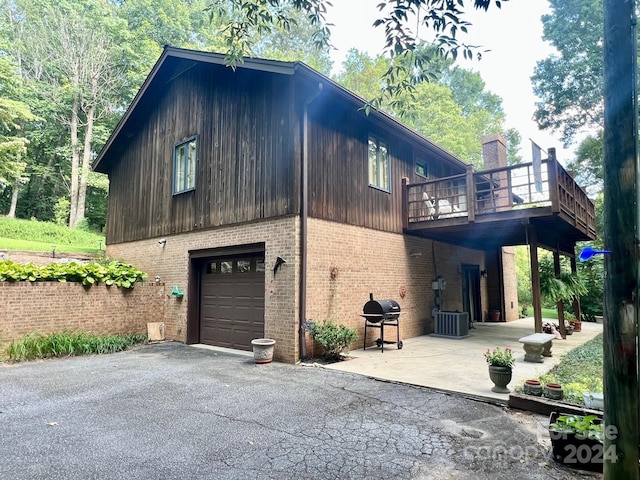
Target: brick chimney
494	151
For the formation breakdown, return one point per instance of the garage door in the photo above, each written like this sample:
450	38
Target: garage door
232	301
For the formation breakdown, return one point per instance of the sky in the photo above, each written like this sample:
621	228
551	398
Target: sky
513	35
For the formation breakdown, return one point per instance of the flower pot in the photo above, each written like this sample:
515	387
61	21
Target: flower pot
494	315
500	376
577	326
576	450
533	387
553	391
593	400
263	350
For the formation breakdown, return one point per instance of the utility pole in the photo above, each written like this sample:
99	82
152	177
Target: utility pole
621	238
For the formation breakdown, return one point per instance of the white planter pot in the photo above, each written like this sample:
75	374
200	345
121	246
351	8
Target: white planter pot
263	349
593	400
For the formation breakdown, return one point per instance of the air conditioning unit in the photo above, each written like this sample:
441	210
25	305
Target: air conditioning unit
452	324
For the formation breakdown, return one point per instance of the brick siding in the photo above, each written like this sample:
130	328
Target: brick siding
50	307
380	262
366	261
510	281
171	262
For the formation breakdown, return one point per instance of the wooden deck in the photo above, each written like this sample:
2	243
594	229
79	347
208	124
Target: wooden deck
492	208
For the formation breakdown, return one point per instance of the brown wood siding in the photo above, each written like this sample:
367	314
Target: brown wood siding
338	168
247	154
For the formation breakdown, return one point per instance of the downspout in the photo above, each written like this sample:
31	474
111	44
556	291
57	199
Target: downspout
304	201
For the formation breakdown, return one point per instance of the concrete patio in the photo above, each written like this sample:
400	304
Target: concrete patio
458	365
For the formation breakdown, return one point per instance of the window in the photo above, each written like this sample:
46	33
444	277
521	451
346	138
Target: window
379	164
421	168
184	166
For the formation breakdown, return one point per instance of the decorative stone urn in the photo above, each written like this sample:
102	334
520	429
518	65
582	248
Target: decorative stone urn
500	376
263	350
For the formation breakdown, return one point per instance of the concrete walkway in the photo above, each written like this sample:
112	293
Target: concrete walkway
458	365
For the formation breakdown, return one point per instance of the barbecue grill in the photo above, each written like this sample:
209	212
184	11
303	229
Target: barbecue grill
380	314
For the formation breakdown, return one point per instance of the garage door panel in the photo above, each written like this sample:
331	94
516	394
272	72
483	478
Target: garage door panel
232	303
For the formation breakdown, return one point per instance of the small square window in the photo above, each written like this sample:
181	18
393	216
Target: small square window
184	166
421	169
226	266
244	266
212	267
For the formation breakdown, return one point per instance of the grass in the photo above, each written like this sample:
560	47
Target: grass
66	344
32	235
579	371
550	313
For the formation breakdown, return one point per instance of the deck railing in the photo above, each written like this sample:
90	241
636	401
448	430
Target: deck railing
505	189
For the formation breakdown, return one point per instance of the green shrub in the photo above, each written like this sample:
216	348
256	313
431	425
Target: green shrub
334	338
579	371
66	344
110	273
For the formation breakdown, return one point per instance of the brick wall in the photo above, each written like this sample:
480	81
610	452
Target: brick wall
510	282
171	263
366	261
50	307
373	261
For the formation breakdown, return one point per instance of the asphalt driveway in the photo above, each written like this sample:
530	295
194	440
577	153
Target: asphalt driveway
170	411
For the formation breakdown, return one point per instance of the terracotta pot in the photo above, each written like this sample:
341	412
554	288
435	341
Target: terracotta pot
553	391
577	326
494	315
533	387
500	376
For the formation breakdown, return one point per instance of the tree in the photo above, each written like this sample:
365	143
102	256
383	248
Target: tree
454	110
400	19
570	82
68	54
588	164
13	144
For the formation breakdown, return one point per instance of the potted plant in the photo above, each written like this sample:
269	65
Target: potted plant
501	361
577	441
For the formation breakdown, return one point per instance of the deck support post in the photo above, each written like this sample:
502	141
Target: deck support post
576	300
535	277
560	304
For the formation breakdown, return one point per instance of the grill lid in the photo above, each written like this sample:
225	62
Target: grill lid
377	310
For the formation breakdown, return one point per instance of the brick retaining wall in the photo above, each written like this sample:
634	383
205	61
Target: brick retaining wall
49	307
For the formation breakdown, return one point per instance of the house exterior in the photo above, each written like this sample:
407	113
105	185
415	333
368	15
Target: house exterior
269	198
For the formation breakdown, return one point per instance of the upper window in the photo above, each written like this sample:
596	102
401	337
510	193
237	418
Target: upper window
421	168
379	164
184	166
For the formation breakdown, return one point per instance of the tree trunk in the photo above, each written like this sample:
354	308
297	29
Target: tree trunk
621	266
14	199
75	162
86	165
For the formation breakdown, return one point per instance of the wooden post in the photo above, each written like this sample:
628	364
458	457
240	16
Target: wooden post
560	304
576	300
535	278
405	203
552	173
471	195
621	238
